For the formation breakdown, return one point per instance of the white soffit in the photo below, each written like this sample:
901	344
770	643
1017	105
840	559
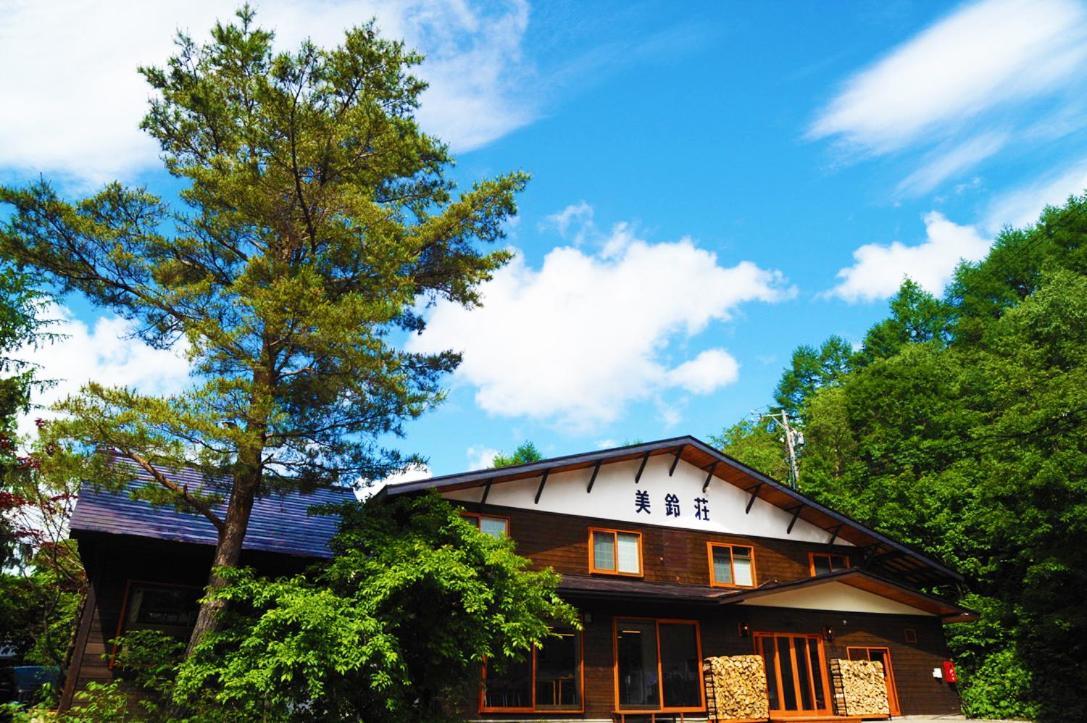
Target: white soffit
835	596
615	496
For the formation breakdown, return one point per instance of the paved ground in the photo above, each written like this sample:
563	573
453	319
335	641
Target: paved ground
959	719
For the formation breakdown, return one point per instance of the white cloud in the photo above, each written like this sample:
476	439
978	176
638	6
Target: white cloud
980	57
577	339
575	222
1022	206
944	163
480	457
707	372
879	270
105	353
73	99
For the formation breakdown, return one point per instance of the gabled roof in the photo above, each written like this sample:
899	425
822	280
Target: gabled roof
280	523
597	588
862	580
887	556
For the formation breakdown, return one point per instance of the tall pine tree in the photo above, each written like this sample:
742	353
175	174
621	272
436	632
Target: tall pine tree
315	218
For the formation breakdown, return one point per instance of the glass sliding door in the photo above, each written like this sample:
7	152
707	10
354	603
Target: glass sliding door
795	672
558	672
636	660
681	679
509	687
548	678
658	665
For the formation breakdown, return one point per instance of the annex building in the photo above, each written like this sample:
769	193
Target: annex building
678	558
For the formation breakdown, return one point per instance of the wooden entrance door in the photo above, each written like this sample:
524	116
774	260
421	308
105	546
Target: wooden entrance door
883	655
795	673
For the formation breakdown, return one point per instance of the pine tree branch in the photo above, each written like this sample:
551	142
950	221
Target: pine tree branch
197	504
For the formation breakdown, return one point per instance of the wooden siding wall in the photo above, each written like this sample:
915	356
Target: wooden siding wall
669	555
918	692
111	561
676	556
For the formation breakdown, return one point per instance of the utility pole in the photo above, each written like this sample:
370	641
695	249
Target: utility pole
793	439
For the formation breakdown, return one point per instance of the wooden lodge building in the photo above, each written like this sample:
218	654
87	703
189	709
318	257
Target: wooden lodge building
672	552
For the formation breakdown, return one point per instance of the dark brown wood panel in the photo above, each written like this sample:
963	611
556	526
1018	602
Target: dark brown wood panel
919	693
111	561
670	555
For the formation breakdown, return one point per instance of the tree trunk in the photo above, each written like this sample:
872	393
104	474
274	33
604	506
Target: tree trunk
228	552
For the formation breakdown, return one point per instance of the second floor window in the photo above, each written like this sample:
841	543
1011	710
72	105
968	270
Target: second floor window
615	552
488	524
824	563
732	565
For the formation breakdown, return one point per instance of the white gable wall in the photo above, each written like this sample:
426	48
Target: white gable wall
613	498
835	596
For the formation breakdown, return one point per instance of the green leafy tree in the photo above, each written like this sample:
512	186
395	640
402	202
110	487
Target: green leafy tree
756	443
20	307
812	369
525	453
959	428
394	629
40	576
917	317
315	216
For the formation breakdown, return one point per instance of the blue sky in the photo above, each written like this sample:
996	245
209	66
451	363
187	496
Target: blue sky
713	184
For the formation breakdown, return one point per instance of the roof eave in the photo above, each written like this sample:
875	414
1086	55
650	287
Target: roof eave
586	459
943	609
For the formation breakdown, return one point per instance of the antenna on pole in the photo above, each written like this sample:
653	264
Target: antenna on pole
794	439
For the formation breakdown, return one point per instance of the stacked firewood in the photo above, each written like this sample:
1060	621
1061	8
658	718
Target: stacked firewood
736	688
863	687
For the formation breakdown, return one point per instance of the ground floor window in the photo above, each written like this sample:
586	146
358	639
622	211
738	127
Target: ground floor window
883	656
547	679
796	678
164	607
658	665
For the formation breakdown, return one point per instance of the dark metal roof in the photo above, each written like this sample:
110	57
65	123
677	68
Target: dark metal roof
280	522
921	569
599	587
586	586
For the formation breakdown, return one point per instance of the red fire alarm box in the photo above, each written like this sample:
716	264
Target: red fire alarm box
950	676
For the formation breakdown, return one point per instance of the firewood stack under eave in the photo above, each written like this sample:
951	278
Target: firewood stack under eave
736	688
863	687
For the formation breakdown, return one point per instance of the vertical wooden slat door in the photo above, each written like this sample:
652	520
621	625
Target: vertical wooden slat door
795	672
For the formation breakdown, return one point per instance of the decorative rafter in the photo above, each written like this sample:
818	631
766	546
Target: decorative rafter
834	534
796	516
486	491
539	490
675	461
709	476
592	480
641	468
754	490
